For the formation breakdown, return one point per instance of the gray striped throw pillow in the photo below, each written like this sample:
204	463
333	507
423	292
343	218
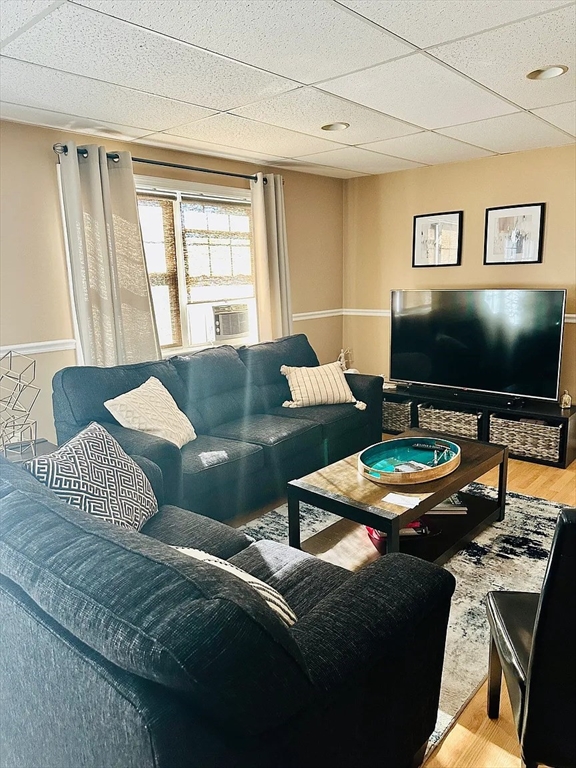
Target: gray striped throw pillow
320	385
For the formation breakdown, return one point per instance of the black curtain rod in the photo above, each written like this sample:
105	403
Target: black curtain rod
62	149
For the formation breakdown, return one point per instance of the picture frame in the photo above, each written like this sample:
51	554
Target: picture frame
437	239
514	234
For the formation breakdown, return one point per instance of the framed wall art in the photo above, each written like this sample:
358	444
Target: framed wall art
514	234
437	240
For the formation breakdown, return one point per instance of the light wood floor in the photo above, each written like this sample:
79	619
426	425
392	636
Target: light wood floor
474	741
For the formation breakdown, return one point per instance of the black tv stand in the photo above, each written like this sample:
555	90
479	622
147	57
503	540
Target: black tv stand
534	430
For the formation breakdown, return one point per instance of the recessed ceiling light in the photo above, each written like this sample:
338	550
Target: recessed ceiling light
545	73
336	127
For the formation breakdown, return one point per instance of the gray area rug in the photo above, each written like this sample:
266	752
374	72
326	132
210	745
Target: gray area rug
508	555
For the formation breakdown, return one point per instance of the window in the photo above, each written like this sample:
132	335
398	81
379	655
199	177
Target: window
198	252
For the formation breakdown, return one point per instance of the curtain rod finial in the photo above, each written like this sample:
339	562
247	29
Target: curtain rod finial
60	149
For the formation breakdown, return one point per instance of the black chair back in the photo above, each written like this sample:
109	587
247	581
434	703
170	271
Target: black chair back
550	711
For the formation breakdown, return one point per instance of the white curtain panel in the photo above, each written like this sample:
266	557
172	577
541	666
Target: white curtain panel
110	287
271	257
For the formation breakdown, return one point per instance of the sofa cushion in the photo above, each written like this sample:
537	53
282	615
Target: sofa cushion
335	420
153	612
151	408
303	579
264	361
271	597
79	392
216	383
93	473
210	462
281	437
182	528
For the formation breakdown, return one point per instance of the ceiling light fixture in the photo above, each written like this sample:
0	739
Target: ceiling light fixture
545	73
336	127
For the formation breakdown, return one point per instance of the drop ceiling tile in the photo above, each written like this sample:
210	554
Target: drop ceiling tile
319	170
306	40
562	115
35	86
428	148
21	114
81	41
511	133
419	90
307	109
195	146
14	14
247	134
362	160
501	58
437	21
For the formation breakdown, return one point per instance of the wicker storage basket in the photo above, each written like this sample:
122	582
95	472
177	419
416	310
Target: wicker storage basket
537	441
396	416
449	422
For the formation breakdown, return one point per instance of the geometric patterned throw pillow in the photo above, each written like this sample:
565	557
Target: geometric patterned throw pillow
273	598
91	471
151	408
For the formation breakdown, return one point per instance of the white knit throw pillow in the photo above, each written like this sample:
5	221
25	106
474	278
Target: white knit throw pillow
151	408
320	385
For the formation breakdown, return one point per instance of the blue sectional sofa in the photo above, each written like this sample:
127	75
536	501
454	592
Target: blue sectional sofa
248	445
118	650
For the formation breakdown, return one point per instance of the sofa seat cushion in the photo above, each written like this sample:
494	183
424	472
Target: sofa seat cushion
335	420
302	579
181	528
280	437
152	611
209	462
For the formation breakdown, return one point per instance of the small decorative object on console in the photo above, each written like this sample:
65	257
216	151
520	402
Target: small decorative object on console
408	460
566	399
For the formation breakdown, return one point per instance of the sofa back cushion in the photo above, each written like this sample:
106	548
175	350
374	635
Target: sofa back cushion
216	384
264	361
151	610
79	392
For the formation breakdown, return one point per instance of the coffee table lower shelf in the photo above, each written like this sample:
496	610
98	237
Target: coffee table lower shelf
454	531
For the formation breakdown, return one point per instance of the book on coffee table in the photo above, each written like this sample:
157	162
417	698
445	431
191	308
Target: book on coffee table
450	506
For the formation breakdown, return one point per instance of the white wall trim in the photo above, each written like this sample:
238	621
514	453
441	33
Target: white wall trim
316	315
38	347
365	313
60	345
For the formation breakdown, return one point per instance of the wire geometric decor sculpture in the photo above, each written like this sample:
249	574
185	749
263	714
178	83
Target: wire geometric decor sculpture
17	396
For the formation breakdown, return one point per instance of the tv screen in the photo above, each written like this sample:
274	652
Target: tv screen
498	341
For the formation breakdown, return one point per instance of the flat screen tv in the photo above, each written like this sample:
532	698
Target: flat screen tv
490	341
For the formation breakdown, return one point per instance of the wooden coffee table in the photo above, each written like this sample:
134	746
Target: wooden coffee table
340	489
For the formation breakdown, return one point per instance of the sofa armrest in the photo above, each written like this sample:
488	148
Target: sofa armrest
368	389
367	615
162	452
378	642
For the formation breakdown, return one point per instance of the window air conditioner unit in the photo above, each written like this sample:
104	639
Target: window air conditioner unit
231	321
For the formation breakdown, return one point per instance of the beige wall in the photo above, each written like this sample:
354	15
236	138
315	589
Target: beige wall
34	303
379	213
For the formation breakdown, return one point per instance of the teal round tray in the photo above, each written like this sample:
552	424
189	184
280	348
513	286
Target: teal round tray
392	462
